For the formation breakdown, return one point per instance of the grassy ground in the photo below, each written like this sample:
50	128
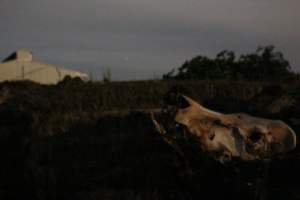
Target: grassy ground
80	140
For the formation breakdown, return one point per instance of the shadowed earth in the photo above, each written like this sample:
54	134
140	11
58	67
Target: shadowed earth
80	140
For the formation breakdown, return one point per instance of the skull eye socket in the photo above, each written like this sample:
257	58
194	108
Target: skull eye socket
255	136
211	135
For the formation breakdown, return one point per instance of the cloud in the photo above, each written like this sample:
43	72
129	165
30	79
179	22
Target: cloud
156	35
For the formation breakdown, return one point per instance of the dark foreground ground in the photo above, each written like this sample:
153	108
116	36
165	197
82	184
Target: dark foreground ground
88	141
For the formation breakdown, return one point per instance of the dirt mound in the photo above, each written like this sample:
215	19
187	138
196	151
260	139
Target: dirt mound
61	142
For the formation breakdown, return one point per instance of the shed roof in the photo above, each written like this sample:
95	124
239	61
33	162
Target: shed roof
20	55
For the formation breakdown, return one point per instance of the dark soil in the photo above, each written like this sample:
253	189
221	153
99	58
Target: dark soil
80	140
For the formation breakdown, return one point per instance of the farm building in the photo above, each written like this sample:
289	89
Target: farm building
21	66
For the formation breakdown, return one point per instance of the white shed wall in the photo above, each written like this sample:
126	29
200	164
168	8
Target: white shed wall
35	71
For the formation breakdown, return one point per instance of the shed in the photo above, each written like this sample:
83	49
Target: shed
20	65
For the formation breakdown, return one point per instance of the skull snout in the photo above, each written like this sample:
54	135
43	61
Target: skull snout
283	138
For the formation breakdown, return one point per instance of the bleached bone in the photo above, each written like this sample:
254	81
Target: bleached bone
227	136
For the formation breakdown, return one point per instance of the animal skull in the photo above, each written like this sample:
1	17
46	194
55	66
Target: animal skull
227	136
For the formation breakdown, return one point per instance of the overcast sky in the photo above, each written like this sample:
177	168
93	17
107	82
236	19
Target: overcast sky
142	39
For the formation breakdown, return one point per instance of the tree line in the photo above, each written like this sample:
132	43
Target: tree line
264	64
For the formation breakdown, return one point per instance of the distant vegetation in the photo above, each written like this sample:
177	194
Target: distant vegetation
264	64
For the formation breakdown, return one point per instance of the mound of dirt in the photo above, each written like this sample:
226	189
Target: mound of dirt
69	141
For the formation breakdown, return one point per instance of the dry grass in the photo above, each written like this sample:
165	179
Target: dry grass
95	141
